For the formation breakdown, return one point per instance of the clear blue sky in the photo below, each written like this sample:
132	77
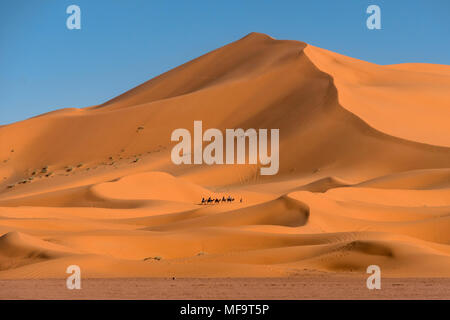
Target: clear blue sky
44	66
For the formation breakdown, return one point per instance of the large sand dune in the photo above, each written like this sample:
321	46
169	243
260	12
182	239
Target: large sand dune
364	173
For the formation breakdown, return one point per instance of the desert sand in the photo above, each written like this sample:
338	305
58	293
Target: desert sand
304	287
364	173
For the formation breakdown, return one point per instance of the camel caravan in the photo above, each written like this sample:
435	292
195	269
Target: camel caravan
210	200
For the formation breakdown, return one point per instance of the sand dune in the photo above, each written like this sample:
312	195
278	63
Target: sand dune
364	173
282	211
382	96
17	249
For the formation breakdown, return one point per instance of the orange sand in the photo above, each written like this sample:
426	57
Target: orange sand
364	173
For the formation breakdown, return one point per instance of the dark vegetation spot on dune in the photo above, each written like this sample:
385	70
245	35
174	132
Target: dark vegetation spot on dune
157	258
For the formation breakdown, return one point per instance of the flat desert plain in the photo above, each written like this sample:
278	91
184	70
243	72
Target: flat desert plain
364	179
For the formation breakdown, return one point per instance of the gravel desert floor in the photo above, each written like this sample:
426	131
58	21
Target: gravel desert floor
304	287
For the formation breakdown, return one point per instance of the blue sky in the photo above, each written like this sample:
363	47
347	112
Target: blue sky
44	66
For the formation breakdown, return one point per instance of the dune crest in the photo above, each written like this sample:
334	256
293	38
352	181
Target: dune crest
409	101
